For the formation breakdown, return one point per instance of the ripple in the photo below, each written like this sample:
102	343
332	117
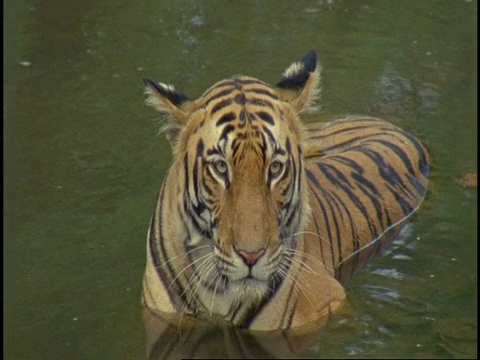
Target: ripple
390	273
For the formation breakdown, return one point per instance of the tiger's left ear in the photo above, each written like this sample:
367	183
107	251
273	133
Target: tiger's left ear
300	84
173	106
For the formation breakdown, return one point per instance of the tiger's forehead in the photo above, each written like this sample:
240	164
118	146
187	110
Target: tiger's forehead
241	93
242	115
244	103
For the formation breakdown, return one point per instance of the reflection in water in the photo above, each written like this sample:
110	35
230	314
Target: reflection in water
166	339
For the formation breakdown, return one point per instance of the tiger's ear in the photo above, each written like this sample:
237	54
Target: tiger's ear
300	83
172	105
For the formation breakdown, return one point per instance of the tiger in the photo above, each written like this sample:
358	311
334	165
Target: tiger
258	211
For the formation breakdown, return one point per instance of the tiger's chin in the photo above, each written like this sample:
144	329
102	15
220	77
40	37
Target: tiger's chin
250	289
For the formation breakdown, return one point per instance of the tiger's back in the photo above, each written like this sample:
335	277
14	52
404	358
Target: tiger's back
366	176
257	214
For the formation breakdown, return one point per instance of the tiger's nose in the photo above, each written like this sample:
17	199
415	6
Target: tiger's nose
250	258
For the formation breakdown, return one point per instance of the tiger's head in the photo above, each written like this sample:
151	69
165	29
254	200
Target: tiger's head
240	186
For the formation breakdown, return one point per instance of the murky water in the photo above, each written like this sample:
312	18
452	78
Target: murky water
83	163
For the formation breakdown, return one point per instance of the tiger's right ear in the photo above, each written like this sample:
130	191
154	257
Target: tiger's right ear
300	83
172	105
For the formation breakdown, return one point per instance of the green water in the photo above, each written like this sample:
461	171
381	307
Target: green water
83	162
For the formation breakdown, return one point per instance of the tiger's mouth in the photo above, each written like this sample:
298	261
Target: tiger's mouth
249	288
261	274
249	281
258	282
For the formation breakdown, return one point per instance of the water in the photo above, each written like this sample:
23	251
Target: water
83	162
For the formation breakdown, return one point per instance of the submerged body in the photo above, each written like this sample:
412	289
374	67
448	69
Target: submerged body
256	213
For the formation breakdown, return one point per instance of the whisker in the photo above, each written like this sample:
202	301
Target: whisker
218	277
300	283
183	255
198	274
204	275
301	262
293	252
202	258
311	233
188	289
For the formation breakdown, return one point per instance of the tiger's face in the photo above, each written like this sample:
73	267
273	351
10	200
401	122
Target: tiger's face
238	151
247	182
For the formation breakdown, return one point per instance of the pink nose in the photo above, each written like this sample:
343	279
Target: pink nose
250	258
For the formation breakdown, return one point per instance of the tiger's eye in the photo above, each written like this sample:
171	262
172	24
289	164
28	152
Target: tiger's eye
275	168
220	167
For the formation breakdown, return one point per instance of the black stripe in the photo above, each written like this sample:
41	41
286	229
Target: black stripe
325	216
344	144
417	185
404	204
247	81
200	148
225	118
256	309
338	207
190	212
261	102
153	222
266	117
387	172
370	191
226	130
423	163
242	116
219	85
311	177
333	176
164	265
220	94
293	214
221	105
199	154
286	173
291	209
365	184
292	311
240	99
333	197
349	162
314	219
299	173
336	132
399	151
207	189
346	210
339	238
263	92
270	136
288	146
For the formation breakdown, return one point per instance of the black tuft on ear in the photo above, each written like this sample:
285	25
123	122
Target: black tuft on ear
296	75
176	97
